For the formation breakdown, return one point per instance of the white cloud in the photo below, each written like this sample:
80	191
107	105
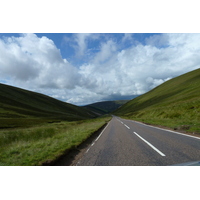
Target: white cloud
127	37
106	51
35	63
81	41
158	40
127	72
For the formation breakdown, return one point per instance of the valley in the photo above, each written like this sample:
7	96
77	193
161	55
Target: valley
37	129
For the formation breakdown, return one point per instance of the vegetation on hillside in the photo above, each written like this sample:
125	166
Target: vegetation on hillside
27	139
22	108
105	107
174	104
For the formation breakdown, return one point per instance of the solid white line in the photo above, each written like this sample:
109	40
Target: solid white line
102	131
97	138
167	130
162	154
88	149
126	126
92	143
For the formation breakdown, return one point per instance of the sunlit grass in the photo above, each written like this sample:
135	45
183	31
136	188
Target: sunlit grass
36	145
185	116
174	104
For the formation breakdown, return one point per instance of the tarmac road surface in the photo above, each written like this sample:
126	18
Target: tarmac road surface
129	143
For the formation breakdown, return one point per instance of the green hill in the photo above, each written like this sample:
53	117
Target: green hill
175	104
105	107
19	107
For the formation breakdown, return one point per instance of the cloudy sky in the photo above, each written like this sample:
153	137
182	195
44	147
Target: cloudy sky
84	68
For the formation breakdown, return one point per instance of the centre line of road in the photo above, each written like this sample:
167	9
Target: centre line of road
162	154
126	126
120	121
166	130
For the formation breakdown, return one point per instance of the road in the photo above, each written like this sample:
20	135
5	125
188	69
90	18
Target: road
129	143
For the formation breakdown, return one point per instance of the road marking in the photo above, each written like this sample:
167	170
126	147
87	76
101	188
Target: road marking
126	126
120	121
88	149
166	130
97	138
92	143
162	154
102	131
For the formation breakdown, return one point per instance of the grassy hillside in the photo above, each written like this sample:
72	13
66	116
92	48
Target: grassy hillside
105	107
175	104
19	107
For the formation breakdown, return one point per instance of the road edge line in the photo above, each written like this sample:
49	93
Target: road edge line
102	131
167	130
97	138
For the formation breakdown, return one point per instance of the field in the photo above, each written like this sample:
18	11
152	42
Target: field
46	142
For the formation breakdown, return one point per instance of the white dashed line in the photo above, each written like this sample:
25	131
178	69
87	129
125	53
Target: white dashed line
126	126
162	154
167	130
123	124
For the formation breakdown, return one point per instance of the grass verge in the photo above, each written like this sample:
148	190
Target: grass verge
36	145
174	104
183	116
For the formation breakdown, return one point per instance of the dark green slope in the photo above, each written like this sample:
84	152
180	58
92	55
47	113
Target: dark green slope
105	107
175	103
16	103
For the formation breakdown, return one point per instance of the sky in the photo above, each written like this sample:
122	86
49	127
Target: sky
83	68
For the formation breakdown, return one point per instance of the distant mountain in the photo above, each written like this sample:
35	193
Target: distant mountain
105	107
176	101
19	106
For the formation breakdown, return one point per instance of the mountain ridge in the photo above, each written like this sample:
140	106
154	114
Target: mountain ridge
105	107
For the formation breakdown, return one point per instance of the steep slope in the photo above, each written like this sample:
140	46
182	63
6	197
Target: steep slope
105	107
16	103
175	103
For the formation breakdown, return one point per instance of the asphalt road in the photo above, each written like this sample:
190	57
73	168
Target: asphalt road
129	143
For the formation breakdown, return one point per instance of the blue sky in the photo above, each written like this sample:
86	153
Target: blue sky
66	41
68	51
83	68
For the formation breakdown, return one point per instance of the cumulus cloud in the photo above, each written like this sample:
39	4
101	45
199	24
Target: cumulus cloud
36	63
81	42
140	68
158	40
127	37
105	53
